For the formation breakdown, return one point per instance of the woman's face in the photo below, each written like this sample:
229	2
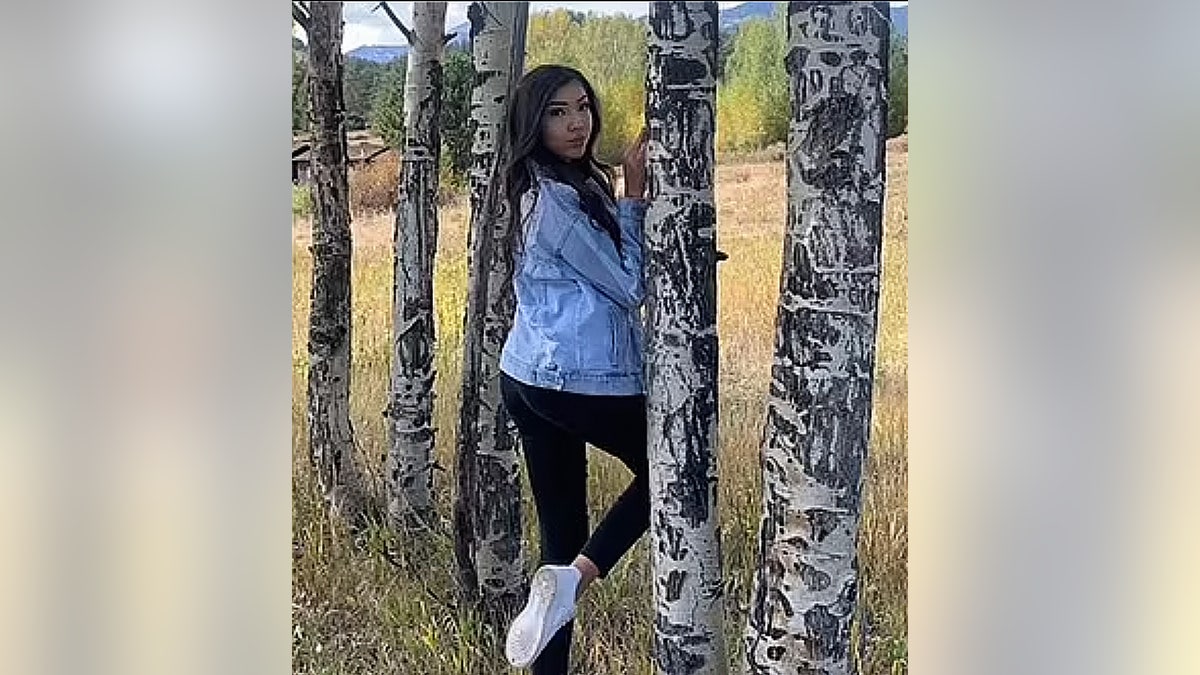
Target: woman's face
567	122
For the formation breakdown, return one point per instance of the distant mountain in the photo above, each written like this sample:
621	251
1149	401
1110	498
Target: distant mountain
378	53
733	17
389	53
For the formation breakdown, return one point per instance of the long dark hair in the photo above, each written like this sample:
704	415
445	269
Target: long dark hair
526	150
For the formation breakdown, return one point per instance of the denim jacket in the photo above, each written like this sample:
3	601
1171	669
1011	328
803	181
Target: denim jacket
577	326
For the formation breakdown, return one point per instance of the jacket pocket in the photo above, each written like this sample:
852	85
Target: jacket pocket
619	338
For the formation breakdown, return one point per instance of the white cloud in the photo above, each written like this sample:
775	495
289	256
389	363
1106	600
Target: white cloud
366	27
356	34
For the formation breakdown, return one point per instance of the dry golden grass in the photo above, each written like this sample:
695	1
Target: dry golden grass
354	612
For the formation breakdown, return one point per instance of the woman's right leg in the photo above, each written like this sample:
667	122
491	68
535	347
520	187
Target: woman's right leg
556	464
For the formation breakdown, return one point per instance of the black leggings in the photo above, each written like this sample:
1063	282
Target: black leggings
554	425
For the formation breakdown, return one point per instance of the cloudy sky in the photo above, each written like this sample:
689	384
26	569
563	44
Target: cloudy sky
364	27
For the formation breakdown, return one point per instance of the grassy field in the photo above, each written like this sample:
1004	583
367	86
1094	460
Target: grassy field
354	611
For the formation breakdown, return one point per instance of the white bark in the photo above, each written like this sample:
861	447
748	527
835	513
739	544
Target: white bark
819	407
488	503
681	348
409	463
331	436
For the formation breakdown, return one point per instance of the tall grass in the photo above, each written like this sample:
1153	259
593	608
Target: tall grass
359	610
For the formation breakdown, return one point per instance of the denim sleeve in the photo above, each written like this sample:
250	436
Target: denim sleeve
567	232
631	214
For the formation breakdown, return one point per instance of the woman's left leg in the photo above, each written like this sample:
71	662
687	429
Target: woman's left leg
616	425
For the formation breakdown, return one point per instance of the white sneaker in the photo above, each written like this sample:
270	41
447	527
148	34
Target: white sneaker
551	605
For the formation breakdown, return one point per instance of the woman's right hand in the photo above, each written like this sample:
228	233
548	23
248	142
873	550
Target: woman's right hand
633	168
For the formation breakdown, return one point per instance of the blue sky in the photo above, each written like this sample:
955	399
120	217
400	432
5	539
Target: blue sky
364	27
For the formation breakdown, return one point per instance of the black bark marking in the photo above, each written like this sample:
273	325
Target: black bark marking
692	490
837	462
689	119
780	601
831	58
478	18
813	578
674	585
671	542
859	24
832	123
794	63
673	645
827	634
664	24
843	236
323	337
501	513
822	20
821	523
679	71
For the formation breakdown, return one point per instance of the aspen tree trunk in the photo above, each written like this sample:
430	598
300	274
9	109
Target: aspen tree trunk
409	462
681	345
819	406
487	509
331	435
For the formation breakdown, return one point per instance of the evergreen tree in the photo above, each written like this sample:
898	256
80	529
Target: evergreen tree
362	79
456	110
387	104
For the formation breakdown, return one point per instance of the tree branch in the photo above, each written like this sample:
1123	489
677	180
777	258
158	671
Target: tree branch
300	16
396	20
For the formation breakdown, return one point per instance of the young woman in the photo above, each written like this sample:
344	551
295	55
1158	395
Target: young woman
572	363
